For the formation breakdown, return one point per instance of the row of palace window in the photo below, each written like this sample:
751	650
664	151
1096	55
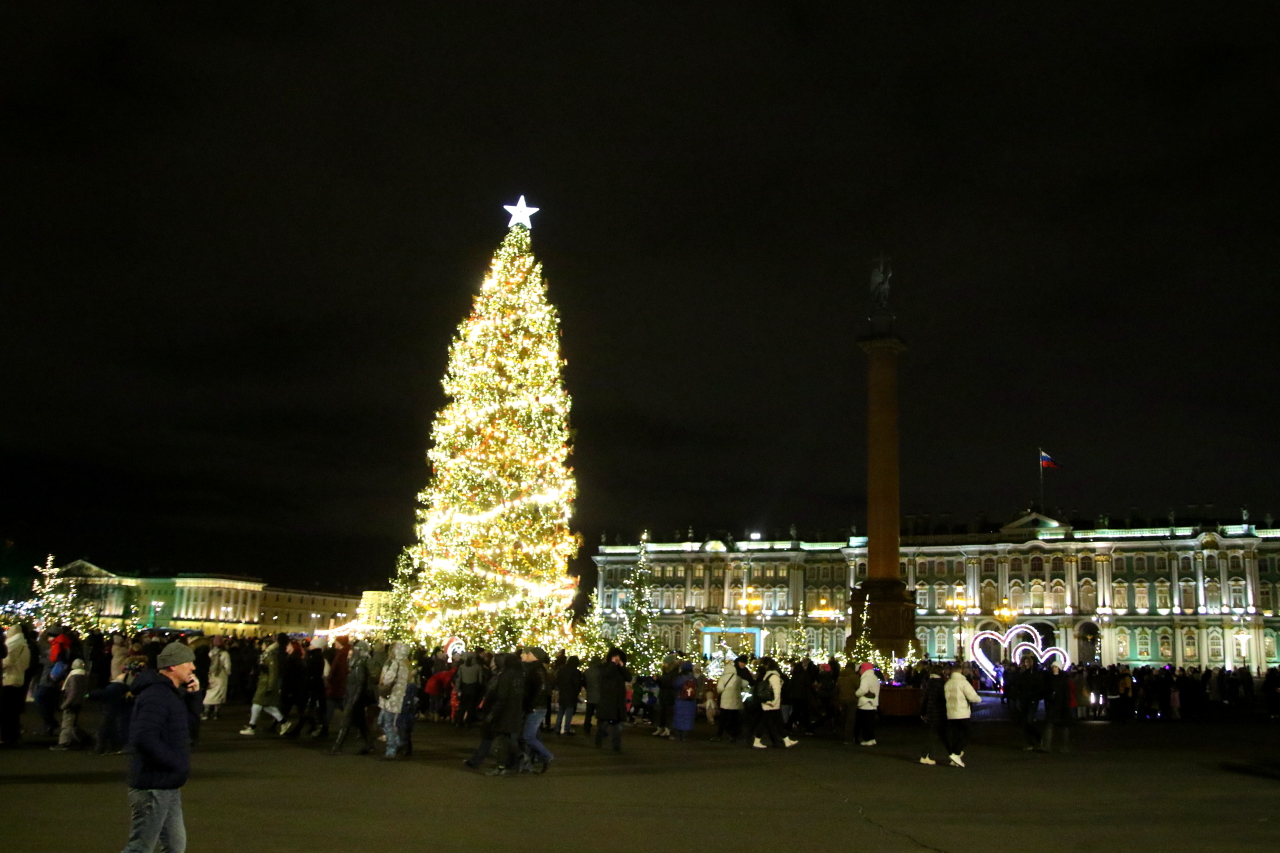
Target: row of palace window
1052	596
1139	641
1139	563
827	640
757	599
736	571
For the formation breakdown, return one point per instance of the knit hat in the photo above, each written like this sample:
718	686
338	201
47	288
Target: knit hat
539	653
174	654
866	666
321	642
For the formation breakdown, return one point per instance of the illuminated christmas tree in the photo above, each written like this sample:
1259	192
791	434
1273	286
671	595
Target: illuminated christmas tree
589	637
56	601
636	636
490	564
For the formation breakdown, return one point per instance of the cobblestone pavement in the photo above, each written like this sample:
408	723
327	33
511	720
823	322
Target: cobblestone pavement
1137	787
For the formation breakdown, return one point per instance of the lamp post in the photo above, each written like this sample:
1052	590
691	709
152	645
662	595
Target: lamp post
156	606
959	605
747	602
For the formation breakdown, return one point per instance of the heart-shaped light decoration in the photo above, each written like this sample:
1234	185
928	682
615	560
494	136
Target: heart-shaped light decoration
1041	655
1006	640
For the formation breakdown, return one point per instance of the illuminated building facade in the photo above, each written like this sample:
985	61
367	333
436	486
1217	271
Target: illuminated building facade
229	605
1184	596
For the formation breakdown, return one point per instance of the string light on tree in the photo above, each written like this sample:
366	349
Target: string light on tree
636	636
494	541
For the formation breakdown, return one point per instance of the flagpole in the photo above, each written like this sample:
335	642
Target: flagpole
1040	465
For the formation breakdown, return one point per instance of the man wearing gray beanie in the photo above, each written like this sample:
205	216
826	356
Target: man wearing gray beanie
166	716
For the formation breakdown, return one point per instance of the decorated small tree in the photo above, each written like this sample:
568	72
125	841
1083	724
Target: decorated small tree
490	563
636	636
590	639
56	601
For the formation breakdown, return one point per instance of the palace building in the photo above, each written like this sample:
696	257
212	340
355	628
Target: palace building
228	604
1196	596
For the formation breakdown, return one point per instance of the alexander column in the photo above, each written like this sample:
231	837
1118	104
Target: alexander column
890	610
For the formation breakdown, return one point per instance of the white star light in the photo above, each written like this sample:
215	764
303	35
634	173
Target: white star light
520	213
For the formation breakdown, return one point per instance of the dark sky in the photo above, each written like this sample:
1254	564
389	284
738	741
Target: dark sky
236	245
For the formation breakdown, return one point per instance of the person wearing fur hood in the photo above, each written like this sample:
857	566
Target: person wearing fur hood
393	683
74	689
13	696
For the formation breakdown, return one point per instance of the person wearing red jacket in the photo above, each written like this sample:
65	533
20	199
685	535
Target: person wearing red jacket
438	688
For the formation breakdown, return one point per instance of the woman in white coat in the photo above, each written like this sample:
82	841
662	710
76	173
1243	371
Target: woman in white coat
219	675
768	693
868	693
960	698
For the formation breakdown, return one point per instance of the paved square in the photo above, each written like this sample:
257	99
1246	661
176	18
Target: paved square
1141	787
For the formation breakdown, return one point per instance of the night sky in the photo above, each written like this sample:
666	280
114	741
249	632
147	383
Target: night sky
236	246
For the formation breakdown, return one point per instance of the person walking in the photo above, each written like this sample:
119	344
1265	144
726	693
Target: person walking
730	687
536	691
568	686
13	693
960	697
316	666
502	717
685	711
266	696
666	699
868	695
75	687
611	711
591	682
847	686
166	718
933	711
355	698
470	686
768	692
393	683
113	731
1057	708
219	677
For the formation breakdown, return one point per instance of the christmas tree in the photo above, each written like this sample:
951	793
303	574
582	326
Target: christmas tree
494	542
589	637
56	601
635	635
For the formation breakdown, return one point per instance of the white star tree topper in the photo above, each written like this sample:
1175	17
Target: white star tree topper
520	213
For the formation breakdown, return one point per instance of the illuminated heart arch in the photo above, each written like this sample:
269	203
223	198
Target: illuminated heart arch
1034	646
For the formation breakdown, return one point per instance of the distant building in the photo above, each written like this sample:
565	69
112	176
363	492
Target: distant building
214	604
1141	596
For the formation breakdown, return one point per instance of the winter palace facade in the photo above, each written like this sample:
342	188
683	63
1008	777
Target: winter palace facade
1138	596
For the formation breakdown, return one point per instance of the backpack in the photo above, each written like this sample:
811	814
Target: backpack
763	690
689	690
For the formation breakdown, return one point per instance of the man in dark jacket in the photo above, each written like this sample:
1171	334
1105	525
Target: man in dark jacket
568	685
166	717
504	717
933	710
537	691
612	710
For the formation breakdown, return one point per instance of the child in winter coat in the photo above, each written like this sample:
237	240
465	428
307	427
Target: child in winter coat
74	688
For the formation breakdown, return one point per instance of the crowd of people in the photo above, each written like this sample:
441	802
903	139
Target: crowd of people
155	689
354	693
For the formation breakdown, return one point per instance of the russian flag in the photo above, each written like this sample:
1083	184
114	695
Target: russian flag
1046	461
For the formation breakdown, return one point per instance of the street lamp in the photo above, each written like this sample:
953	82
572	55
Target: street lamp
1005	614
959	605
747	602
155	607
